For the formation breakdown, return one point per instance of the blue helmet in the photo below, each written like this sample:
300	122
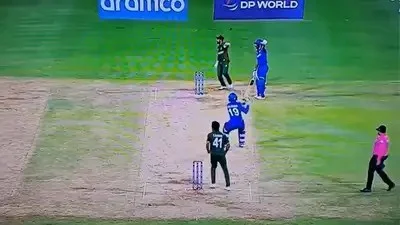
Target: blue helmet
260	43
232	97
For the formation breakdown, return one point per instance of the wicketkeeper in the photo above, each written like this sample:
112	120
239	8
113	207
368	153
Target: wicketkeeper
222	63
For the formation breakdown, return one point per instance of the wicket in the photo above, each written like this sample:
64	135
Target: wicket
199	83
197	175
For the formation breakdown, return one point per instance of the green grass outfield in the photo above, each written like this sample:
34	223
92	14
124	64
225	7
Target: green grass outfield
340	40
345	55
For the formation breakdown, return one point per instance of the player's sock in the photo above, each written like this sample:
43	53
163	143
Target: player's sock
242	138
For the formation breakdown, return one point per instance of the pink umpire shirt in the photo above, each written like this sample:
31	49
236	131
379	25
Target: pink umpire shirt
381	146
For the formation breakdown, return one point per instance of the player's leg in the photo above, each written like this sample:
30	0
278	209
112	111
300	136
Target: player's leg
383	175
242	136
260	83
260	88
214	164
385	178
225	73
228	127
264	90
224	166
220	69
370	178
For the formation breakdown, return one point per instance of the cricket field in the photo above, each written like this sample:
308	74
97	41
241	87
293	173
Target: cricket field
99	124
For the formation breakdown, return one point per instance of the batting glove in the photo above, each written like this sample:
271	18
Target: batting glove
251	82
246	101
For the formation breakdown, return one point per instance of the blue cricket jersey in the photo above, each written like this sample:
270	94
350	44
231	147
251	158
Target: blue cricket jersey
262	59
235	110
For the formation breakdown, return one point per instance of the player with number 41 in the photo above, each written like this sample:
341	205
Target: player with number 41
236	122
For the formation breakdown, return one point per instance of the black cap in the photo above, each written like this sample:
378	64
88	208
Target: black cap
381	128
215	125
220	37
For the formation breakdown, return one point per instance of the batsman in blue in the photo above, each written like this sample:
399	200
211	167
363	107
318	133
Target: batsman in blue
217	146
260	74
236	109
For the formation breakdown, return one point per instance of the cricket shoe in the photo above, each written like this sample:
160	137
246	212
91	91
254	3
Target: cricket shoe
222	88
241	145
259	97
230	86
365	190
227	188
213	186
391	187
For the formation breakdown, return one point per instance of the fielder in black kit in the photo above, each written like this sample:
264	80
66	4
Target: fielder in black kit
217	146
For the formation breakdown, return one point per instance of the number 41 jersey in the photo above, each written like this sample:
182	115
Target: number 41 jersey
218	141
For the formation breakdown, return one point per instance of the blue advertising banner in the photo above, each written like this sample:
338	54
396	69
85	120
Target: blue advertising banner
153	10
258	9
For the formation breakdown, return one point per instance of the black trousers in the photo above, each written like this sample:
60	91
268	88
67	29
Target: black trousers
372	167
221	159
223	71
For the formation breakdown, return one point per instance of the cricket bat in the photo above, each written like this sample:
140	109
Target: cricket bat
248	88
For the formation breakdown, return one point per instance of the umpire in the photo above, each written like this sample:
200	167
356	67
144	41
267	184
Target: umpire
222	63
376	163
217	146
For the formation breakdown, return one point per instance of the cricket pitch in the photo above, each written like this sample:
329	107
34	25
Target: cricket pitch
122	151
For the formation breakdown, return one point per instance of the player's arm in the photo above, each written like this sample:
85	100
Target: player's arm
244	107
255	77
227	45
208	143
256	66
226	144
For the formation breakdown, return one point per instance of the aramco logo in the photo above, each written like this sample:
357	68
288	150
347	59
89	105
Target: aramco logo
232	5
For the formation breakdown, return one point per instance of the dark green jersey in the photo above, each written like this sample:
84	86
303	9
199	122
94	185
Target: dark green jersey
222	53
218	142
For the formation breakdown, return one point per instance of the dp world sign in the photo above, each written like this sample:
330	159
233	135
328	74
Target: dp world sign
258	9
